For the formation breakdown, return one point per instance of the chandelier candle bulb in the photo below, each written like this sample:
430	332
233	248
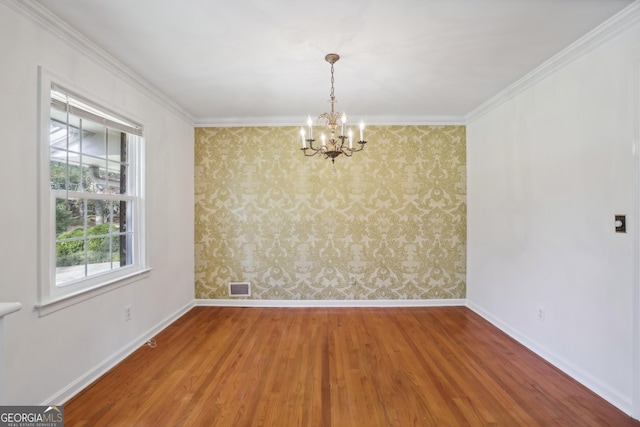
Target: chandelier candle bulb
361	131
310	123
304	143
324	143
350	138
344	122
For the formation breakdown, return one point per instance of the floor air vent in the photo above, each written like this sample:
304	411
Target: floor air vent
239	289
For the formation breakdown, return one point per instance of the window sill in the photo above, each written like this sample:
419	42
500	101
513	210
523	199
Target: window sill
52	305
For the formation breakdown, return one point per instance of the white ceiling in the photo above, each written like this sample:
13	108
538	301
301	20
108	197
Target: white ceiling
251	61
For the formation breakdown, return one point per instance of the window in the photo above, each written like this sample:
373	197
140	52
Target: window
91	204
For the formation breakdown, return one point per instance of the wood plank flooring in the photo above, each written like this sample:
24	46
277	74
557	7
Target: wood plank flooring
282	367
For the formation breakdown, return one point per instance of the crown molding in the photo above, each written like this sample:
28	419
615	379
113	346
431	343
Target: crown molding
45	19
604	32
301	121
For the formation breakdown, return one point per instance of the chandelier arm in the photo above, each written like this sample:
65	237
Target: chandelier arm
322	149
304	150
342	139
349	151
361	146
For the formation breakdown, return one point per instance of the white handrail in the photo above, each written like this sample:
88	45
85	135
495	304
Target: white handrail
8	308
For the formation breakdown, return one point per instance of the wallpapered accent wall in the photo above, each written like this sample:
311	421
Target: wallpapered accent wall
389	223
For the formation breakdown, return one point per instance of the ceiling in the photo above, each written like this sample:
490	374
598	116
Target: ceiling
262	61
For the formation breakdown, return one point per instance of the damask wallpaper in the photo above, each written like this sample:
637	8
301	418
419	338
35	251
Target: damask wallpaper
388	223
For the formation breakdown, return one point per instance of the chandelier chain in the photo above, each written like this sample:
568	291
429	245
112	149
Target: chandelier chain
332	96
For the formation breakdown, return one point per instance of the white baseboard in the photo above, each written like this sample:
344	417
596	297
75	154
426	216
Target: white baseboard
244	302
621	402
85	380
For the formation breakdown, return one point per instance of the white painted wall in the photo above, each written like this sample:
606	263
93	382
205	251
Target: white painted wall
50	357
548	168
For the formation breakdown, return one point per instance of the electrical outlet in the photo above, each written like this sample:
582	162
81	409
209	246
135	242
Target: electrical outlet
127	313
541	314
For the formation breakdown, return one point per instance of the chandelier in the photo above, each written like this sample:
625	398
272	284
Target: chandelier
331	146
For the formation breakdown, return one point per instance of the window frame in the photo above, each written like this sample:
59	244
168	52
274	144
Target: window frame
52	297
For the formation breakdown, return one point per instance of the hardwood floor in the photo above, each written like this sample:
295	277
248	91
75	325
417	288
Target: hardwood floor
441	366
